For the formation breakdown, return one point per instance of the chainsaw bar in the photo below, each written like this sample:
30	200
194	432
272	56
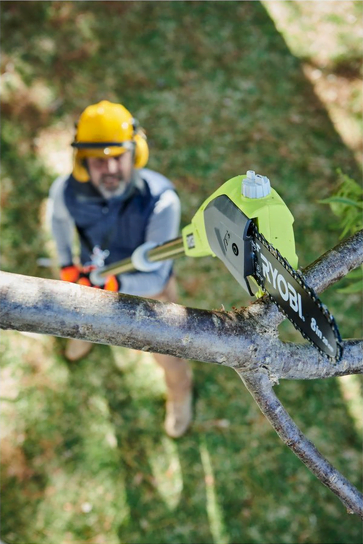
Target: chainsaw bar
288	290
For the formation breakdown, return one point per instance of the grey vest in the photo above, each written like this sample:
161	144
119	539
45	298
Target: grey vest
116	223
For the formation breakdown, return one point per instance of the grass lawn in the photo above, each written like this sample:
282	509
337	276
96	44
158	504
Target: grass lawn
221	87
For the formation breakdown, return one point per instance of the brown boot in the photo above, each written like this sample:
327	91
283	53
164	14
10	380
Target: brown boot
178	415
178	378
76	349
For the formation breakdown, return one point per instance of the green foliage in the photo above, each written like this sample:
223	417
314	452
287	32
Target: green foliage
347	205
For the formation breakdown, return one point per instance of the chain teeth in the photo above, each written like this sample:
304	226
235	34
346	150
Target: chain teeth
299	278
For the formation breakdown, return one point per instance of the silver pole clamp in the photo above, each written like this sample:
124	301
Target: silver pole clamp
139	258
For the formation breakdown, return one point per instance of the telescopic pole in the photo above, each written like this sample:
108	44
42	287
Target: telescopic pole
169	250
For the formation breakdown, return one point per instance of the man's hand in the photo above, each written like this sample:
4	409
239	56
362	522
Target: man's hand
76	274
70	273
112	284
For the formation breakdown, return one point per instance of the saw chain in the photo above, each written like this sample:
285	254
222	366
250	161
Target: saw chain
307	313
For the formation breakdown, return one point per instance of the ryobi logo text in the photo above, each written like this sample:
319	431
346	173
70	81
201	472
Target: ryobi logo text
283	286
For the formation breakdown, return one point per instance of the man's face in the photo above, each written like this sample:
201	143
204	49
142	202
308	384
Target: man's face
112	174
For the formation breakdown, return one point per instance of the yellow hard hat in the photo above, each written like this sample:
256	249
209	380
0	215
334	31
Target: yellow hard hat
107	130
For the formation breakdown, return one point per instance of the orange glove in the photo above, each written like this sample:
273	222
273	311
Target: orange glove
78	275
112	284
70	273
83	280
84	276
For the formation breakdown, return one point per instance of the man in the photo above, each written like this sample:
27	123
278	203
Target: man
115	205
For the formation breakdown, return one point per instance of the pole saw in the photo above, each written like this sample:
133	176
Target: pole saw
247	225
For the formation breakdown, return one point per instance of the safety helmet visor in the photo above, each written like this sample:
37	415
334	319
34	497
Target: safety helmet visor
102	149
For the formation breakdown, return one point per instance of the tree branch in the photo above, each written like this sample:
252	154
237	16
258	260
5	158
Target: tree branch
260	388
72	311
303	362
335	263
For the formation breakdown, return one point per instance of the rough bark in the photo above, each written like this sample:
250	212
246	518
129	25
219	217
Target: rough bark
229	338
246	340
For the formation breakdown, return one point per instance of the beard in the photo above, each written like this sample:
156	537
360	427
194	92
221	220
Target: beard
112	186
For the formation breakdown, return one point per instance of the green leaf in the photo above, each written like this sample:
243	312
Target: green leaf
341	200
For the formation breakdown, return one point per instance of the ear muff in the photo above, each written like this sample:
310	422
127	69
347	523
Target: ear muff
141	150
80	172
